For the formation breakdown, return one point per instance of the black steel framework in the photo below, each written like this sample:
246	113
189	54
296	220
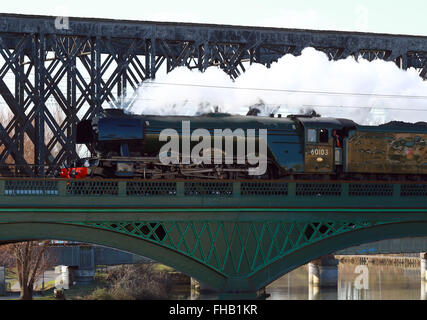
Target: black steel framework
93	62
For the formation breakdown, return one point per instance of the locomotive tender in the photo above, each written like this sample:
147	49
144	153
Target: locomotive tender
298	147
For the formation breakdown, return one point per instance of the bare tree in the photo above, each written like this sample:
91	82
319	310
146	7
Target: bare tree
31	259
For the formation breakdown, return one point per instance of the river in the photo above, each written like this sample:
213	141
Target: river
384	283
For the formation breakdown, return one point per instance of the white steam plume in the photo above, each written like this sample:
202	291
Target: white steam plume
366	92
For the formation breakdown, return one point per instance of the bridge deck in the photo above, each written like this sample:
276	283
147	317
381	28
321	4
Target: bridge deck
44	195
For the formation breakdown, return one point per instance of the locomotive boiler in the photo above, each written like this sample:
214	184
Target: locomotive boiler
298	147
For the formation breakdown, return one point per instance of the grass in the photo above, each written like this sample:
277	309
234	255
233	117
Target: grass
11	277
47	285
11	273
162	268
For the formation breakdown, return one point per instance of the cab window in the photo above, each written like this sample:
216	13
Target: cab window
323	136
311	135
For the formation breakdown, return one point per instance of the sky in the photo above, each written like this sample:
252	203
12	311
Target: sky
364	15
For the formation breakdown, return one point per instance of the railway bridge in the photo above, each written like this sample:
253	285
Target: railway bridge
81	65
234	236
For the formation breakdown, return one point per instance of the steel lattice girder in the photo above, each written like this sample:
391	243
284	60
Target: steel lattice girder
242	252
95	61
230	256
234	249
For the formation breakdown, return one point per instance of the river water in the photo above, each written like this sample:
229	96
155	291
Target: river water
383	283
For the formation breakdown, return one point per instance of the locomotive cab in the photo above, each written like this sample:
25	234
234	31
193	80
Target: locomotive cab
318	150
323	143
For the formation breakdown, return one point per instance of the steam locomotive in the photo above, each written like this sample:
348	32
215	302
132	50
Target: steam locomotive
298	147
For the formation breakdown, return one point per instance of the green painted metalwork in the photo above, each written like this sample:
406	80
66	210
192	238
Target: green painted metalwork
232	248
235	236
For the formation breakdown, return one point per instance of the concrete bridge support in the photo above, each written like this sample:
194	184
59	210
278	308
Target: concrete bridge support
85	272
64	278
82	270
326	293
323	272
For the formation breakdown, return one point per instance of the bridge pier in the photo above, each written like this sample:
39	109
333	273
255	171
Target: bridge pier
69	275
83	275
313	292
64	278
323	272
423	265
326	293
80	270
85	271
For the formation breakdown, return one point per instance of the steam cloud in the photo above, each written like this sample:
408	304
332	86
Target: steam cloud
300	84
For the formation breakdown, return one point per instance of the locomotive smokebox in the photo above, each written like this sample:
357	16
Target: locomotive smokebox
84	132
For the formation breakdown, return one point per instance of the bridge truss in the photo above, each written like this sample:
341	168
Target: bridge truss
93	62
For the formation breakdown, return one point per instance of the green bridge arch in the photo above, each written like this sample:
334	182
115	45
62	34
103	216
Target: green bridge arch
76	232
234	236
229	256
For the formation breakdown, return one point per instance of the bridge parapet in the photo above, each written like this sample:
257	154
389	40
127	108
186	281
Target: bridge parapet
253	195
60	187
